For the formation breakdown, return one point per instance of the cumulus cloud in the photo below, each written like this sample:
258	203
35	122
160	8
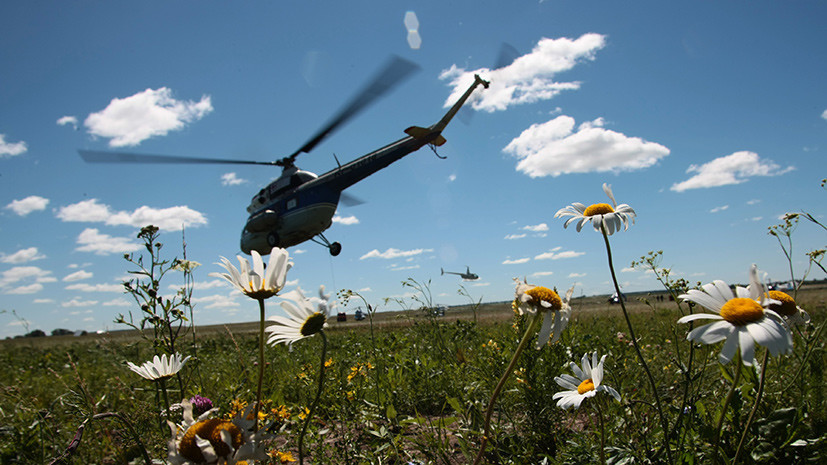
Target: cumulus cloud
91	240
77	276
555	255
11	149
576	275
74	303
392	253
536	228
554	148
719	209
24	279
529	78
540	274
153	112
515	236
84	287
516	261
824	115
345	220
731	169
231	179
169	219
30	204
68	121
22	256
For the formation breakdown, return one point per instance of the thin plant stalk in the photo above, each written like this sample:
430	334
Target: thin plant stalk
602	432
163	384
316	400
717	438
260	363
523	343
664	423
758	395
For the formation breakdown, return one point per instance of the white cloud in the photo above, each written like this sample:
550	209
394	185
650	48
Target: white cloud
536	228
515	236
116	303
824	115
29	289
11	148
554	148
22	256
25	273
345	220
30	204
231	179
530	78
131	120
719	209
753	202
516	261
215	301
91	240
77	276
540	274
169	219
452	178
731	169
84	287
554	255
576	275
68	121
74	303
394	253
403	268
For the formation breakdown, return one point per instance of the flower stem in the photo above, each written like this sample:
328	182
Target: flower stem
663	422
602	433
486	430
260	363
758	395
316	400
720	425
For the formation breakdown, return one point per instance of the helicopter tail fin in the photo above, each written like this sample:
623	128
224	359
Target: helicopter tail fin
422	133
441	272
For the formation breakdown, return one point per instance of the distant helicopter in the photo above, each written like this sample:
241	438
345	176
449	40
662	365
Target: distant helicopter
299	205
468	276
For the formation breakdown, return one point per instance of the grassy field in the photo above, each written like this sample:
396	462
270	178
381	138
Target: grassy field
414	389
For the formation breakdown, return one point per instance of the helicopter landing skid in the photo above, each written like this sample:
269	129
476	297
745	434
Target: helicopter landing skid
335	248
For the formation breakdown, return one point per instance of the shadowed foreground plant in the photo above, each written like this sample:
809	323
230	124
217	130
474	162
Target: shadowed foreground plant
589	383
536	301
259	285
304	320
607	219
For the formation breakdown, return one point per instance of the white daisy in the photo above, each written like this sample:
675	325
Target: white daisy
159	367
303	319
588	383
206	440
531	299
787	308
744	319
254	282
610	216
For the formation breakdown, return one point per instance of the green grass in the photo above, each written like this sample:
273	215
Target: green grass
418	388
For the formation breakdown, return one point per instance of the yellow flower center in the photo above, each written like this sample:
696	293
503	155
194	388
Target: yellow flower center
313	324
209	430
741	311
787	306
598	209
585	386
539	294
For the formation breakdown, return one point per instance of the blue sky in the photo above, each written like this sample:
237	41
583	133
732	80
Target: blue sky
708	118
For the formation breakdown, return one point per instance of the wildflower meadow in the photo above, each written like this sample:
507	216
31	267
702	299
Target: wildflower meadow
692	373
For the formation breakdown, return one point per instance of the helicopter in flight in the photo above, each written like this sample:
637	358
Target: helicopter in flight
299	205
468	276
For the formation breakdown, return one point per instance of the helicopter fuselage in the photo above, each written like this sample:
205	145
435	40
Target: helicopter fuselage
298	206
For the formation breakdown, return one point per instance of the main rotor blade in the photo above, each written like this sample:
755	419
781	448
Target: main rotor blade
96	156
394	72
